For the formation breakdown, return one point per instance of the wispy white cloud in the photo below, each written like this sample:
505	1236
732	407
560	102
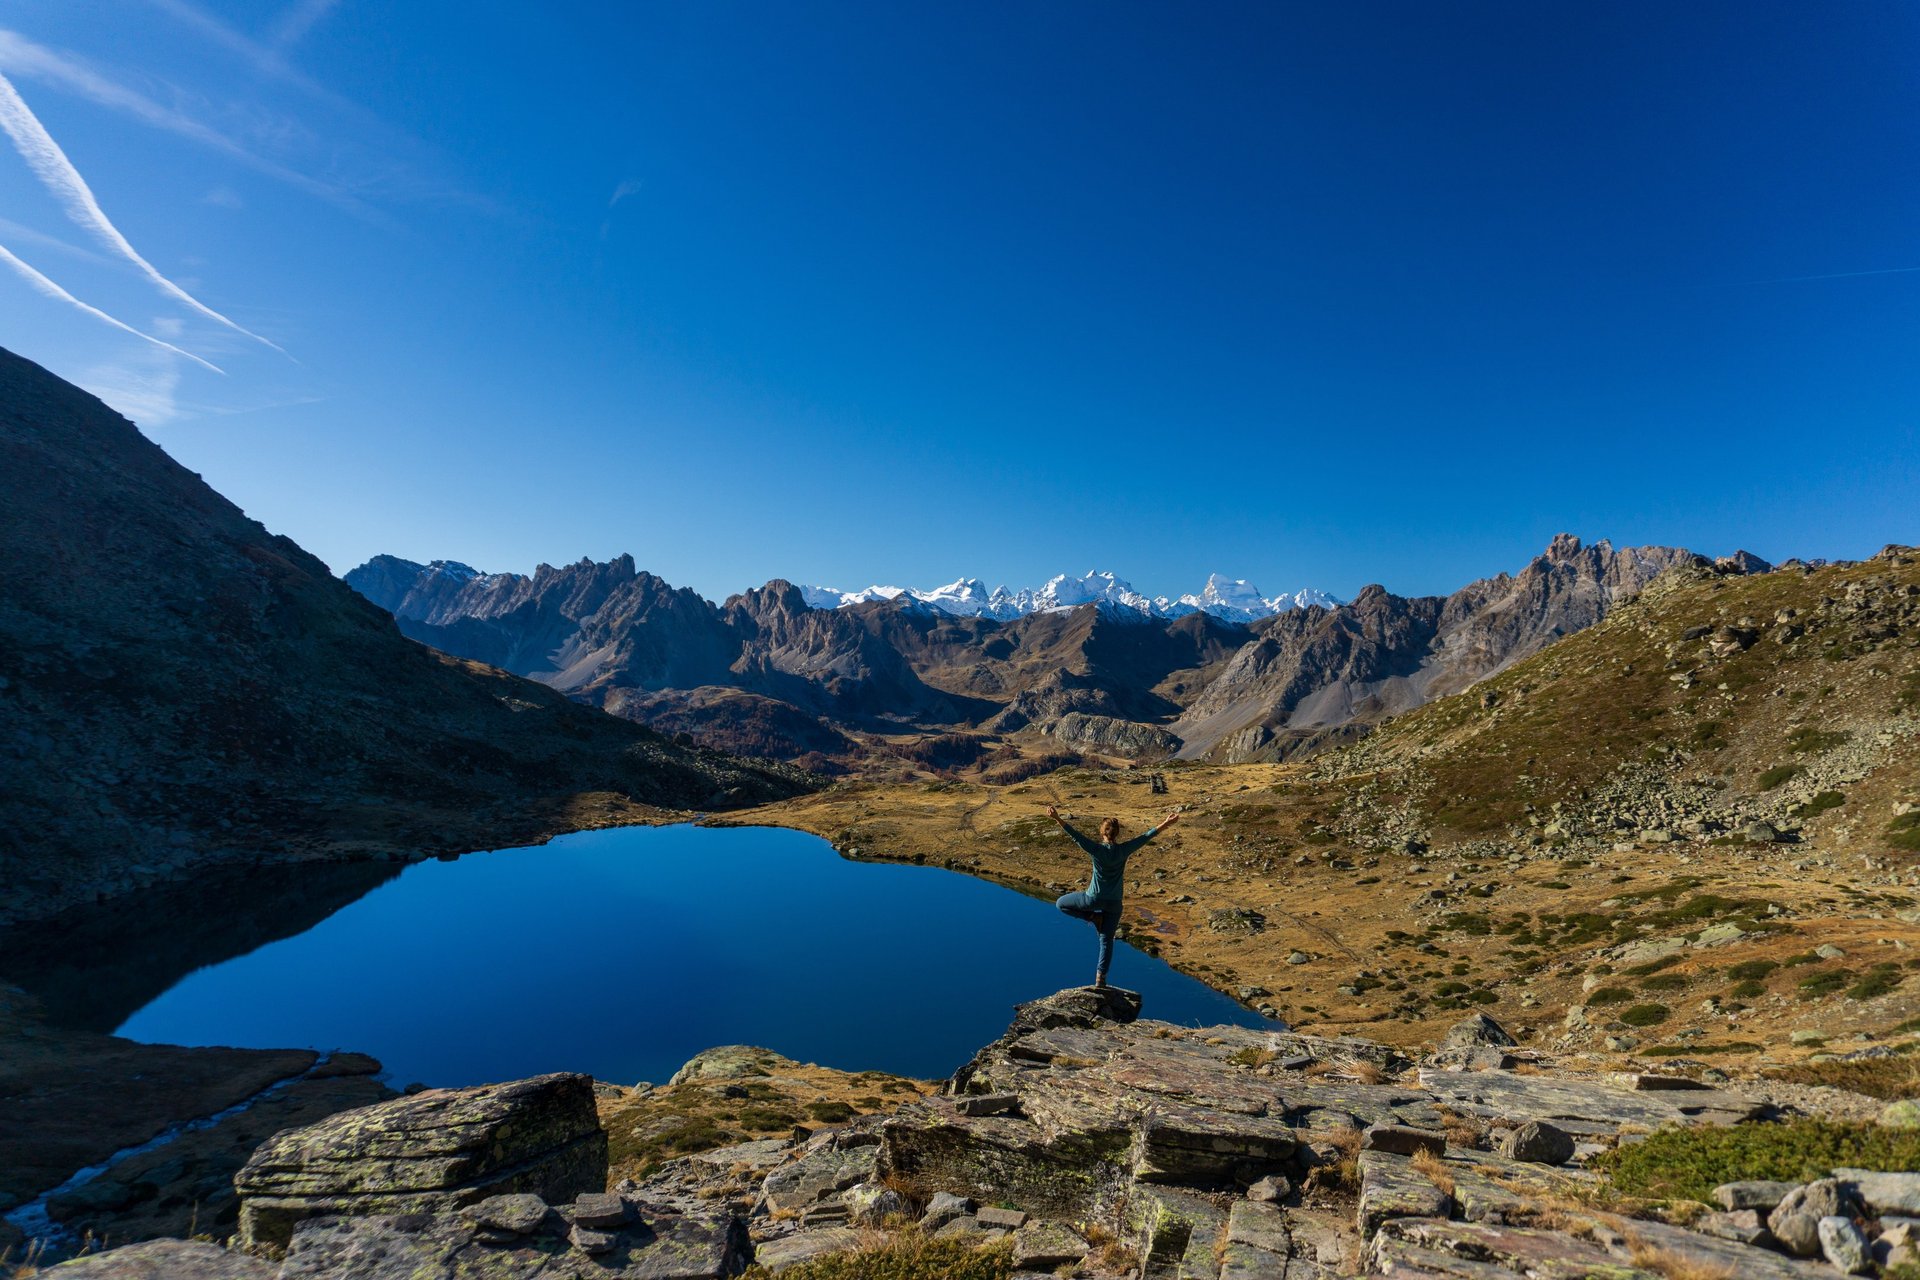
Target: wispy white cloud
299	19
52	290
20	56
145	389
627	187
224	197
50	164
264	59
16	233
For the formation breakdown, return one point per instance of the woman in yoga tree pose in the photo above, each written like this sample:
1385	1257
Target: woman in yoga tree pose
1099	903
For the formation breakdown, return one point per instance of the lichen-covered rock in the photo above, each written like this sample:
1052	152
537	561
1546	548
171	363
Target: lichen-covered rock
816	1177
165	1260
1042	1246
650	1244
1845	1245
439	1149
1390	1187
1884	1193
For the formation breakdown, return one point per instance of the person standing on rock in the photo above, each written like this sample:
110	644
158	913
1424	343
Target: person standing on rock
1099	903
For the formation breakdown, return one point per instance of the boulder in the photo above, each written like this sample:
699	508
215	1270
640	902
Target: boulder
1536	1142
1476	1043
165	1260
1743	1226
816	1177
439	1149
1795	1221
1845	1245
517	1214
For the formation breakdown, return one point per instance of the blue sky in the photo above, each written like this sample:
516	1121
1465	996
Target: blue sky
1315	295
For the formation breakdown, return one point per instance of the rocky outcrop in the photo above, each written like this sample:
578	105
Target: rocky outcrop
441	1149
184	690
1113	736
1314	669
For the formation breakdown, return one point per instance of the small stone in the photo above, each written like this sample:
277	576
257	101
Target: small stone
1006	1219
599	1209
1758	832
518	1214
870	1203
1537	1143
587	1240
1270	1189
1298	957
944	1208
1805	1036
1844	1244
1827	951
987	1104
1402	1140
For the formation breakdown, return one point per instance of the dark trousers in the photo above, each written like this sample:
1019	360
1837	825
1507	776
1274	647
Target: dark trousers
1104	917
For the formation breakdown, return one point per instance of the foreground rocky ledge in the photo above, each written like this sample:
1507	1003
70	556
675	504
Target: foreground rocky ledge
1083	1141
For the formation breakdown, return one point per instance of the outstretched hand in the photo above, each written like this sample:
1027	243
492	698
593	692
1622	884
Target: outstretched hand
1053	812
1170	819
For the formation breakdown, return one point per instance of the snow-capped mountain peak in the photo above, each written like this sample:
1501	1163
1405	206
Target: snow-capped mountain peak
1230	599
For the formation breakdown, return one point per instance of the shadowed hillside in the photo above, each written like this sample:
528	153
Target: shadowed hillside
182	689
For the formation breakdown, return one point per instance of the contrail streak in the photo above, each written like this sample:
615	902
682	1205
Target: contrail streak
1838	275
50	164
54	291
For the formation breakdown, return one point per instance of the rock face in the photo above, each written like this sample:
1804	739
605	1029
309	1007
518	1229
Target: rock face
441	1149
185	690
166	1260
1308	670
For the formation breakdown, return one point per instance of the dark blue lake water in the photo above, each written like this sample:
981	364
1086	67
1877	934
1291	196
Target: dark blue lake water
624	952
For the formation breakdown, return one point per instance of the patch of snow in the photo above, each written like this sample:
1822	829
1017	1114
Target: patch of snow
1230	599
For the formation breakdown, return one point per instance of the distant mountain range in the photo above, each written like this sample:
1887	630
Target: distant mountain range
1234	599
829	678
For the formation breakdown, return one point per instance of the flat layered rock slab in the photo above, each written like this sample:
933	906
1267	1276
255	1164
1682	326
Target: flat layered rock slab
1059	1172
1557	1098
166	1260
1368	1104
1407	1247
1491	1188
449	1246
438	1149
1390	1187
777	1255
816	1177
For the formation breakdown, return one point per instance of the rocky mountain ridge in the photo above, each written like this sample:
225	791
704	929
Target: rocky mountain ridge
772	671
1231	599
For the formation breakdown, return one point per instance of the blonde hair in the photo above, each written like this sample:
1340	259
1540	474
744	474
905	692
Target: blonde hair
1110	830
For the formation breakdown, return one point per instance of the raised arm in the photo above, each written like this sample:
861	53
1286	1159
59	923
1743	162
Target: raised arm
1073	835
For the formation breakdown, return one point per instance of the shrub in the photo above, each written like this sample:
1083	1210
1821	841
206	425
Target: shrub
1645	1015
905	1255
827	1112
1819	804
1690	1162
1752	969
1609	995
1904	832
1778	774
1890	1078
1664	982
1748	990
1825	983
1808	740
1878	982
